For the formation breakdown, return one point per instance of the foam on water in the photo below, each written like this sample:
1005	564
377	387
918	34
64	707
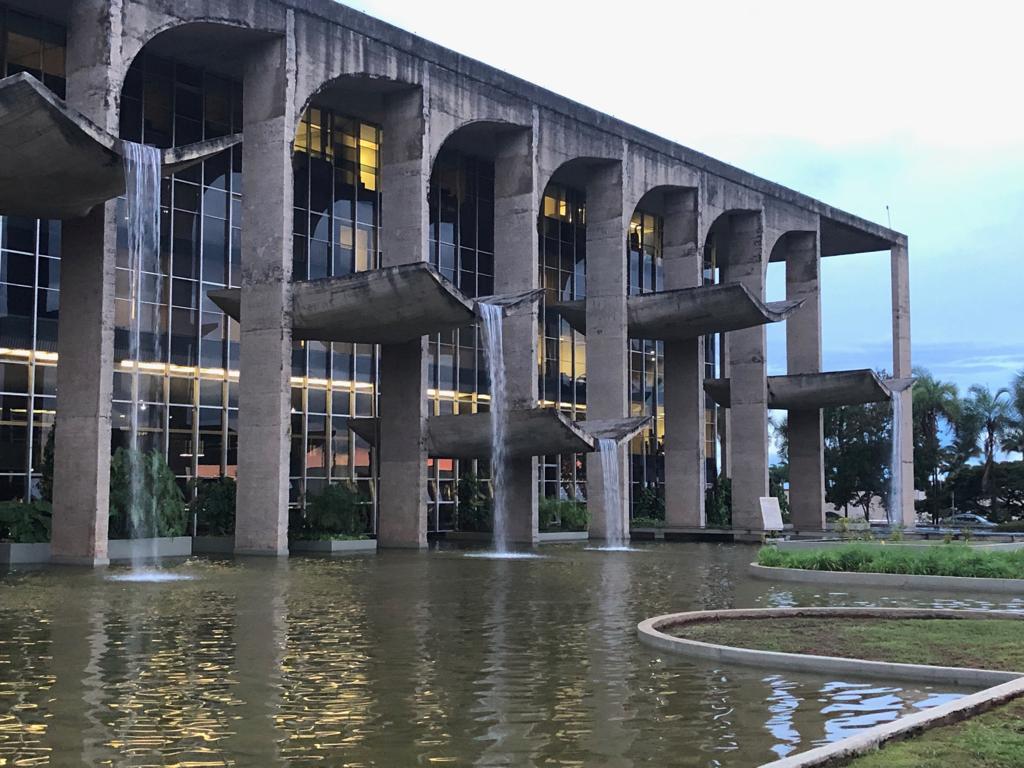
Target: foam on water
151	576
504	555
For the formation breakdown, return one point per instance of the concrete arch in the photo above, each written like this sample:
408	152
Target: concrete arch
720	224
784	240
364	95
481	137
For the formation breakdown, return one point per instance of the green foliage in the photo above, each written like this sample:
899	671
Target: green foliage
562	515
338	512
473	511
858	441
1006	484
647	522
46	470
778	476
160	498
214	506
718	504
938	560
936	407
25	522
650	503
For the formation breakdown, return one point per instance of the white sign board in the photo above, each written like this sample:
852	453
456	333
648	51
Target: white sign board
771	515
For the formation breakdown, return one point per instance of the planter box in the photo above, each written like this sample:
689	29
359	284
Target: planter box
23	554
213	545
333	547
554	537
125	549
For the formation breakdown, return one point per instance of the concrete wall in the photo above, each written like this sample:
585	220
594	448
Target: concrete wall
291	50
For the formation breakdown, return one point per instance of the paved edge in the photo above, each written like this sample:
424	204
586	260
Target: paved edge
910	581
1000	686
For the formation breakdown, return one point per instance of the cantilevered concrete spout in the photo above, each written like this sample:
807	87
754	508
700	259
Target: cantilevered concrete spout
56	164
689	312
381	306
531	432
818	390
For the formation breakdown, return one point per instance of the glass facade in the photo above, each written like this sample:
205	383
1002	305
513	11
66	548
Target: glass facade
562	352
646	367
29	285
461	202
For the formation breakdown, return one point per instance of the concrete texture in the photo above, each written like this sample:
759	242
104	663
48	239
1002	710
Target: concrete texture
409	301
805	391
890	581
655	632
59	164
122	550
530	432
902	370
689	313
746	263
803	355
264	426
24	554
334	546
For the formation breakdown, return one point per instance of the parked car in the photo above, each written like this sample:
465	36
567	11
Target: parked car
968	520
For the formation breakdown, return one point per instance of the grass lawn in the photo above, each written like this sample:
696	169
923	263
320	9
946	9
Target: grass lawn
991	740
937	560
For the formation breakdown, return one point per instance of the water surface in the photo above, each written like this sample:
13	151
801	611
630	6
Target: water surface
405	659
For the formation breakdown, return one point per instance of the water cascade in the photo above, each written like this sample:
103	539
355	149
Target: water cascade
894	511
142	195
490	316
612	502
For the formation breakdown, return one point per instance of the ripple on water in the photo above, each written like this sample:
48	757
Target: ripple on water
150	576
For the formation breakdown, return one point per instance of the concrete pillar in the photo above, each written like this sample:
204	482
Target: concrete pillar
85	342
684	372
901	369
607	332
261	511
748	375
803	355
515	269
405	176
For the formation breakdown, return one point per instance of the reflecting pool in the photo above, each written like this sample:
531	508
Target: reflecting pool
402	659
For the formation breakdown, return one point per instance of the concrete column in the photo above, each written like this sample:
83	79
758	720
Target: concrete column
515	269
85	344
405	176
748	375
261	512
803	355
901	369
607	332
684	373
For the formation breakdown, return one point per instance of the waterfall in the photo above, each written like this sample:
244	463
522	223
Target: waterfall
894	510
490	315
142	194
614	537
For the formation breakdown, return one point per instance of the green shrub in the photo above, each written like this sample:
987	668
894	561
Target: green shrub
25	522
159	495
718	504
214	506
647	522
650	503
562	515
1011	526
473	511
938	560
338	512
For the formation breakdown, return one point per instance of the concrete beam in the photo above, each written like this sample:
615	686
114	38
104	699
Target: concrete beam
816	390
689	313
803	355
684	362
59	164
261	510
902	370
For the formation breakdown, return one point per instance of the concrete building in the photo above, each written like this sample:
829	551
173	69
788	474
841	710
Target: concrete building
364	147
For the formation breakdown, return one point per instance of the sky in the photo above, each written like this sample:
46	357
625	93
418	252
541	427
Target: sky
910	113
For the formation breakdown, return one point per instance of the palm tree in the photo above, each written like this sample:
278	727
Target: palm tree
994	413
1014	440
935	402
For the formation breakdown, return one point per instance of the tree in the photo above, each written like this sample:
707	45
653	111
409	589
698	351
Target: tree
994	414
1014	440
936	404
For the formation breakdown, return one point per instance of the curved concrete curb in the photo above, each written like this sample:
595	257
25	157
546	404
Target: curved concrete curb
652	632
1004	686
904	580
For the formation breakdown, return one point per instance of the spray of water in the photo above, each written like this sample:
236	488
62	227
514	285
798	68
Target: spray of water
142	194
613	523
894	511
490	315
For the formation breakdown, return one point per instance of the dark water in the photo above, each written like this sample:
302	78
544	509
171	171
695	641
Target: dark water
407	659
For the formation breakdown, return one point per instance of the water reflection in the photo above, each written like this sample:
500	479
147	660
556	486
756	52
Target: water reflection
409	658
